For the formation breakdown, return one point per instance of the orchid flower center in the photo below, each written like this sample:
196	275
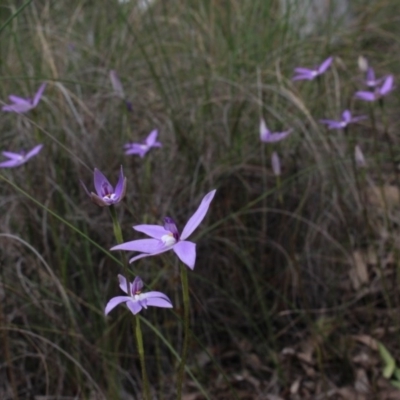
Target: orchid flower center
109	197
168	239
143	146
314	73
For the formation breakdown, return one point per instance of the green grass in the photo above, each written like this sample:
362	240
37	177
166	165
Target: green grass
270	274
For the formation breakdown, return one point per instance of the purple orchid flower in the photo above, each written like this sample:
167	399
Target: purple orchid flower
272	137
22	105
310	74
167	237
379	92
346	120
136	300
142	148
106	195
17	159
370	79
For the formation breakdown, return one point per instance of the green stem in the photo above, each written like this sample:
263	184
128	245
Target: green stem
186	309
139	340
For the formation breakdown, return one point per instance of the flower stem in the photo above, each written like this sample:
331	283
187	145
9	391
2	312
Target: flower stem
186	309
139	340
116	225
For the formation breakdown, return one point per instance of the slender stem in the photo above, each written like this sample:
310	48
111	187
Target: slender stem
139	340
186	309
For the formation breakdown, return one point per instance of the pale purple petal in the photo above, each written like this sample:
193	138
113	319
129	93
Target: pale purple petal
141	245
367	96
370	76
101	182
159	302
186	251
115	301
134	306
19	100
387	85
328	121
33	152
124	285
276	137
17	108
346	116
307	77
136	148
304	71
154	231
162	250
150	140
119	189
360	118
170	226
153	294
10	163
325	65
12	156
198	216
39	94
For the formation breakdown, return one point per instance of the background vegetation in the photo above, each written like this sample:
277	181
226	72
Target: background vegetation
294	287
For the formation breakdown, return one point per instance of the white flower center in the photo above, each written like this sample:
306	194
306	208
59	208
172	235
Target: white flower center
109	197
343	124
143	146
168	239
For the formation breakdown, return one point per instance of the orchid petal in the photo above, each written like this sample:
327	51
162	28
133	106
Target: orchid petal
12	156
303	71
325	65
119	189
19	100
153	294
154	231
186	251
346	116
142	245
198	216
33	152
116	301
99	181
18	108
303	77
150	140
124	285
39	94
159	302
134	306
10	164
264	131
137	285
387	85
367	96
143	255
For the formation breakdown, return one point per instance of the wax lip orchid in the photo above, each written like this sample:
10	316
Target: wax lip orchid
346	120
310	74
167	237
379	92
106	194
142	148
136	300
271	137
17	159
22	105
370	80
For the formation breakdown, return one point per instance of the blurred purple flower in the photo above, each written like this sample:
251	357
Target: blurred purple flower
310	74
276	164
142	148
271	137
106	195
17	159
379	92
22	105
346	120
136	300
167	237
370	79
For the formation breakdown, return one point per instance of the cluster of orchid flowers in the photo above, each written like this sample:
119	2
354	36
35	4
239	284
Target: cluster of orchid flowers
163	238
377	89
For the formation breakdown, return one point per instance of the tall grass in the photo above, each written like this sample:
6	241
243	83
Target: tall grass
270	274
